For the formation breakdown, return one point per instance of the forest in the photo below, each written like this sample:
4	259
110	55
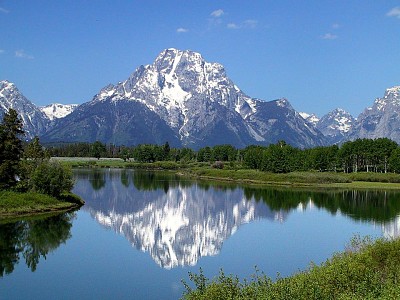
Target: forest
380	155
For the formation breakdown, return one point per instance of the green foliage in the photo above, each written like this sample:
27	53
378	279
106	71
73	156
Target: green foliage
98	150
51	178
253	157
394	160
366	270
10	149
34	151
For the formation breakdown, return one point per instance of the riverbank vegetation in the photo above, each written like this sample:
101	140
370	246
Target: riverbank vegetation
15	204
29	181
365	270
380	155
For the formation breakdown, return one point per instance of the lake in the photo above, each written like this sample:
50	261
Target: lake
140	233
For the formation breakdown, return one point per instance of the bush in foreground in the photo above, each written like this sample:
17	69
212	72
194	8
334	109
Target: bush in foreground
366	270
51	178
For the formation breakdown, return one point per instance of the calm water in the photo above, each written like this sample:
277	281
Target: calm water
140	233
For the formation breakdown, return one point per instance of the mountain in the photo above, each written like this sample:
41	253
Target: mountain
184	100
57	110
34	121
380	120
122	122
310	118
335	125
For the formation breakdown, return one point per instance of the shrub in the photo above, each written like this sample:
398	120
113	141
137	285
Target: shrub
365	270
51	178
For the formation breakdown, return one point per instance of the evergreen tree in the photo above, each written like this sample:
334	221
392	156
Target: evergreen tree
98	149
166	149
10	148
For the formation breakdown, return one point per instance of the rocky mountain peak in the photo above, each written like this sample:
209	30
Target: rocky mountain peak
8	90
34	121
310	118
6	84
58	110
390	99
283	102
200	105
393	92
336	124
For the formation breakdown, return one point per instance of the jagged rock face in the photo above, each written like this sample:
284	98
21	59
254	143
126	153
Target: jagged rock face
58	110
121	123
277	120
310	118
380	120
202	106
335	125
34	121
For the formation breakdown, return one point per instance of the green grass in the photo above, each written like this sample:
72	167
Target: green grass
236	172
366	270
14	204
374	177
265	177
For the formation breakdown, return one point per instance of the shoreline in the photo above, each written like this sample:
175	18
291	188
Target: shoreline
204	171
15	205
362	185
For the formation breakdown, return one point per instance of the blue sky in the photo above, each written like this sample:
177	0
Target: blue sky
318	54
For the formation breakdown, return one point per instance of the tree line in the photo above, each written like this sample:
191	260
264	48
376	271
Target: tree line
361	155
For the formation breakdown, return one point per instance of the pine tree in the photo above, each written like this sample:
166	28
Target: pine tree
10	148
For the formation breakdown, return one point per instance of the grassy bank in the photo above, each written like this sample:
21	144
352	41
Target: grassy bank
237	173
366	270
13	204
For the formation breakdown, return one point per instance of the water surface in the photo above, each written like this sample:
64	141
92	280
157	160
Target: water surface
140	233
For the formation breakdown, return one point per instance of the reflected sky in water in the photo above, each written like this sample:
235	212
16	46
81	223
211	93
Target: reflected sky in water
140	233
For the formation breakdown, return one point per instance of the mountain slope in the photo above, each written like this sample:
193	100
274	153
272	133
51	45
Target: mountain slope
34	121
335	125
198	103
380	120
121	123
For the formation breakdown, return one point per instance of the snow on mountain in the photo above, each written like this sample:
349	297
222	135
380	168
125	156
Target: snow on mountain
335	125
380	120
57	110
200	105
311	118
34	121
175	84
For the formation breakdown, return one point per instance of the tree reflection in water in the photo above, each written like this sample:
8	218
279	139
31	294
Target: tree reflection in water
32	239
178	220
376	206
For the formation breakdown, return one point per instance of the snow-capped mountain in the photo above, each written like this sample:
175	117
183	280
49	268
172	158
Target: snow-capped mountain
311	118
57	110
34	121
380	120
192	101
335	125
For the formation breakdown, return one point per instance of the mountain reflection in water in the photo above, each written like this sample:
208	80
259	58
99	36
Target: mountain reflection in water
177	221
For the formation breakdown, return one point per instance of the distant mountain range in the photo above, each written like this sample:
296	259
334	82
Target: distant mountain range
182	99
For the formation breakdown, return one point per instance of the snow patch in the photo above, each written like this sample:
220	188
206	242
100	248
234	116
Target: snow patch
57	110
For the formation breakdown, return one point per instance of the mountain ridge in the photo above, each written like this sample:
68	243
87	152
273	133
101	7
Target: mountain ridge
201	105
187	101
